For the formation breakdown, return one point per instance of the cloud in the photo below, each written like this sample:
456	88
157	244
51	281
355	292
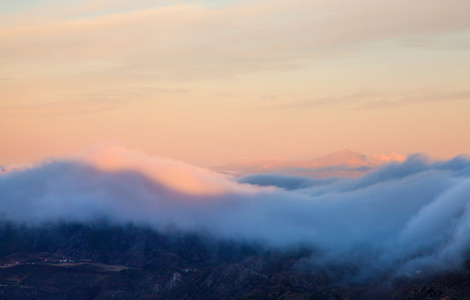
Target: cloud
319	102
417	98
174	175
62	108
403	218
285	182
384	158
372	100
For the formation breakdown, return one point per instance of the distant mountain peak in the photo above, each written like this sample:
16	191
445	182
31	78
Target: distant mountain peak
345	163
343	157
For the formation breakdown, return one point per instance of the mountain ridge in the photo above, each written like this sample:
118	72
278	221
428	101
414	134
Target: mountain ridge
106	261
344	163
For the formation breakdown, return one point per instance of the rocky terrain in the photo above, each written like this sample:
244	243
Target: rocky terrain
106	261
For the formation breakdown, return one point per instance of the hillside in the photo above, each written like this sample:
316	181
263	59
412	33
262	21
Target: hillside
104	261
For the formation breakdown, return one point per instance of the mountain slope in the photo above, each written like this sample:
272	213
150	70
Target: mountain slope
103	261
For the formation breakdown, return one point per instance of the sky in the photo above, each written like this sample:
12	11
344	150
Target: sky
209	83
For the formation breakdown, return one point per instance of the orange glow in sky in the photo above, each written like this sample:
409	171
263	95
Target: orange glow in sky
174	175
207	84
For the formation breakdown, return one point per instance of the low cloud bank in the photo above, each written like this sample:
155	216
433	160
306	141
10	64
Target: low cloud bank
403	219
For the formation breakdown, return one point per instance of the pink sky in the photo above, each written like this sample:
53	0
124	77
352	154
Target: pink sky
208	84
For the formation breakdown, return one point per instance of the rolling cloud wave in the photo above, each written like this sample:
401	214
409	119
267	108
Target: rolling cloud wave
405	218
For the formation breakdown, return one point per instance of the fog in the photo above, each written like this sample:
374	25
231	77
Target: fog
403	219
